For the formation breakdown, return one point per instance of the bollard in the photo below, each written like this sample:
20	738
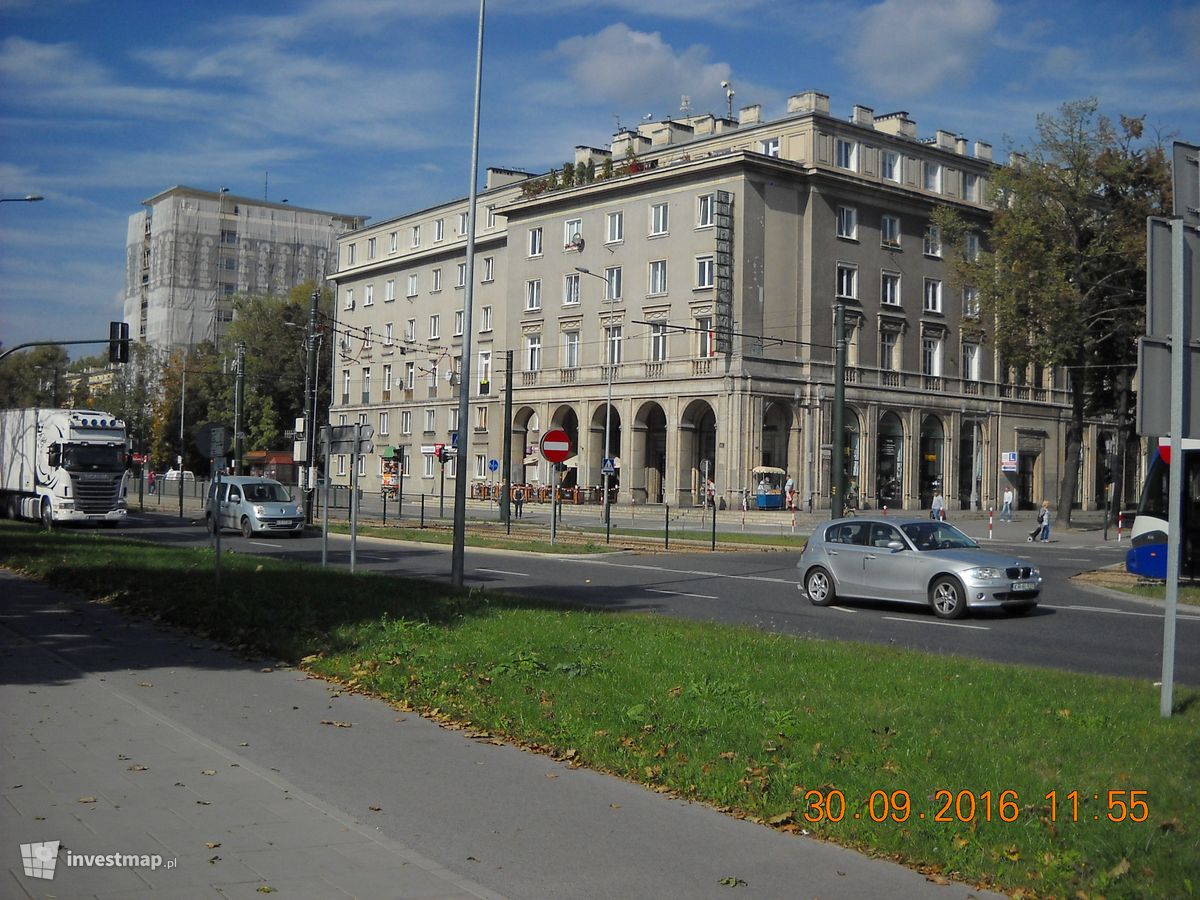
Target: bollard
990	535
384	495
666	526
885	511
422	510
1120	525
793	521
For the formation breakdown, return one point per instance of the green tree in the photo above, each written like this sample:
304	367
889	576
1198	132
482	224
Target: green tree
130	393
34	377
1063	280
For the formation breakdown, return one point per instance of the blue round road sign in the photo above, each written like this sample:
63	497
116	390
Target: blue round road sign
493	465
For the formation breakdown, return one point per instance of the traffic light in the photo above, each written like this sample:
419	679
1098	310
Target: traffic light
118	342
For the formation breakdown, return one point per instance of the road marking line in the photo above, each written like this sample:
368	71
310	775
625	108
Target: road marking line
682	594
502	572
927	622
265	544
1122	612
843	609
660	569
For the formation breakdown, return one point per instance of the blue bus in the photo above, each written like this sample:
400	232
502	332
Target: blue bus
1148	556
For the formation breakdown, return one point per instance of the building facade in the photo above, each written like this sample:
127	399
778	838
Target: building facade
690	272
190	251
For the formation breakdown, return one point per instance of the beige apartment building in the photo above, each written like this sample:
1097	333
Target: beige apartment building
190	251
690	272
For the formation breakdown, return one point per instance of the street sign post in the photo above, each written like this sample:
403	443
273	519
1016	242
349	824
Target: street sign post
556	448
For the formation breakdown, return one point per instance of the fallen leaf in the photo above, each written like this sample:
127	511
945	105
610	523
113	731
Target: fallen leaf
213	860
375	808
1013	852
266	669
145	684
732	881
782	818
266	888
336	724
551	774
212	845
204	803
208	771
614	806
938	879
1121	868
87	799
137	768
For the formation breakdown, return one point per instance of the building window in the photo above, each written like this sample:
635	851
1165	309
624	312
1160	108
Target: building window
971	247
481	419
461	275
389	294
439	229
847	154
412	285
462	223
706	344
533	295
394	239
570	350
769	147
388	338
888	358
533	352
614	227
430	421
485	318
484	374
571	290
415	240
658	276
341	464
704	272
891	165
427	465
370	248
932	177
489	268
933	295
889	231
889	288
971	187
345	387
970	362
435	326
658	342
458	322
705	215
369	295
971	302
410	375
410	330
535	242
847	281
349	304
572	234
933	241
351	251
659	218
612	344
432	372
437	281
406	421
847	222
367	337
491	217
481	458
385	422
612	283
931	355
366	385
387	382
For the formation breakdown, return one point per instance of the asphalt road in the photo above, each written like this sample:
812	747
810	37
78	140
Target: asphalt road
1074	628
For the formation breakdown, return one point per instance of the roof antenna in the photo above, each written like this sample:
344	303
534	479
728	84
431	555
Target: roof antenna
728	99
685	105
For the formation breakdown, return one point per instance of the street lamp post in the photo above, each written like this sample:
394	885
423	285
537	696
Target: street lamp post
612	366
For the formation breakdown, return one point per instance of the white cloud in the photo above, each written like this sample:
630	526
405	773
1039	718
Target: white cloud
913	47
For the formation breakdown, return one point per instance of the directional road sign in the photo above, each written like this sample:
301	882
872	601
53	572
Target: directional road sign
493	465
556	446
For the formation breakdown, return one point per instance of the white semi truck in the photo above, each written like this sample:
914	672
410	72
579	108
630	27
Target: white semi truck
62	465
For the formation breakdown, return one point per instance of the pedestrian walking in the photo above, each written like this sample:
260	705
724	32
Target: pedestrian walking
150	481
518	500
937	509
1006	511
789	492
1041	531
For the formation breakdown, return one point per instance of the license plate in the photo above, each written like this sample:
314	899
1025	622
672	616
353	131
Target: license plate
1023	585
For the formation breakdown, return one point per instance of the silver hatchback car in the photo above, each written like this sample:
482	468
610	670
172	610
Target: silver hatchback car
251	505
914	561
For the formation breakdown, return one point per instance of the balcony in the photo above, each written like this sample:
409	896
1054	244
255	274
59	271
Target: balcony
654	370
933	383
529	379
702	366
568	376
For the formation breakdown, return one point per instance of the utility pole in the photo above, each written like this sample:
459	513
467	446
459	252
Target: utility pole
310	407
506	480
238	390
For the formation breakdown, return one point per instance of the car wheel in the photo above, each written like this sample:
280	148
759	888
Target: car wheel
247	530
47	514
947	598
818	584
1023	610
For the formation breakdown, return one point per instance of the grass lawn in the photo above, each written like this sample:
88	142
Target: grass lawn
1021	779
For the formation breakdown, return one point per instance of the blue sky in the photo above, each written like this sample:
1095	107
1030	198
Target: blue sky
364	106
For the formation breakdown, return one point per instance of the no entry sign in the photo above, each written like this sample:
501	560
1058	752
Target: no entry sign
555	446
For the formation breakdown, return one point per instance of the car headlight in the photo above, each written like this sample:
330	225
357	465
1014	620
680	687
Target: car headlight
985	573
260	510
299	510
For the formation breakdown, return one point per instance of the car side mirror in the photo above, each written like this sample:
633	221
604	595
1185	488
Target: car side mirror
895	546
55	457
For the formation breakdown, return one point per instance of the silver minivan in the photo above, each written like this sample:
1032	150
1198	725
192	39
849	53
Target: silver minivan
251	505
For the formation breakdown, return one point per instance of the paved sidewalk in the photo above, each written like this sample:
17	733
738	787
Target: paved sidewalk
122	736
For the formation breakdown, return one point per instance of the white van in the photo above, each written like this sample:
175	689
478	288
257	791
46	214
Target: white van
252	505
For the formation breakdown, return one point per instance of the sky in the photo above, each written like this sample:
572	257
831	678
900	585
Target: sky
365	106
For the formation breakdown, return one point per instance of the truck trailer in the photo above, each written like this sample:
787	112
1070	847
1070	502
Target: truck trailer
62	465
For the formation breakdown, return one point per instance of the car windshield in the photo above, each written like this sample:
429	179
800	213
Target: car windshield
937	536
266	492
93	457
